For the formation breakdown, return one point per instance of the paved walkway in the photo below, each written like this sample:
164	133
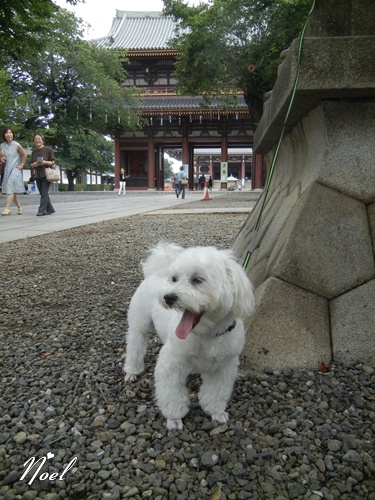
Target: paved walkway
79	209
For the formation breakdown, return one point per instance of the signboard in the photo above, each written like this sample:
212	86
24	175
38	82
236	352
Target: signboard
224	171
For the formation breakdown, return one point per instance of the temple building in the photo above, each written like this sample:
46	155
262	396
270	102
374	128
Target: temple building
212	139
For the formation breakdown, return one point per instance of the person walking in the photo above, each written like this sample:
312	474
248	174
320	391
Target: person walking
14	157
122	180
176	186
2	165
181	186
42	157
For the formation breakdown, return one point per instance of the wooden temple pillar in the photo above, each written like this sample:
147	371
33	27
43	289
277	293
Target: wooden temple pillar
151	163
117	162
185	156
257	172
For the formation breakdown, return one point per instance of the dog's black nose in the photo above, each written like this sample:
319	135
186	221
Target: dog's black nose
170	298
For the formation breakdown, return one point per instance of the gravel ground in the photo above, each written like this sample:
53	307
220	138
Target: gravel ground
291	435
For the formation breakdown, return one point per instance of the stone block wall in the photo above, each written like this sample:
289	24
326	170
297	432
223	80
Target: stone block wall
315	250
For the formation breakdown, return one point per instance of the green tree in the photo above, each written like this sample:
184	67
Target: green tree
22	22
73	83
72	89
231	46
168	168
84	151
5	93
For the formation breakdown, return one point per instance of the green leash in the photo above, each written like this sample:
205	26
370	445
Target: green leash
276	153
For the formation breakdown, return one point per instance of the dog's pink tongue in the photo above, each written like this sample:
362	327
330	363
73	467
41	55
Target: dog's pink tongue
187	323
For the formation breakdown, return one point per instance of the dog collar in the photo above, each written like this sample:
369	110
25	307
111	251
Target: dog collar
229	329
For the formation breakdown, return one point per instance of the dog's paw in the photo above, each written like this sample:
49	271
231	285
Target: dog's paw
174	424
221	417
130	377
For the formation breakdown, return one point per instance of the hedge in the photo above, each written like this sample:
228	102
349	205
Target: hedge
86	187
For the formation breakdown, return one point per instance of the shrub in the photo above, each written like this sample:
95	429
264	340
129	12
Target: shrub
92	187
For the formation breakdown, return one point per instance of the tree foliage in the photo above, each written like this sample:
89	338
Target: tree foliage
83	148
73	83
168	168
229	46
22	22
71	89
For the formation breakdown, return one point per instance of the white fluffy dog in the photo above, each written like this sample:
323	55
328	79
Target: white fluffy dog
196	299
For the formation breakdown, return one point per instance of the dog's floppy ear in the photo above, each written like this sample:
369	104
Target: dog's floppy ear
159	259
244	300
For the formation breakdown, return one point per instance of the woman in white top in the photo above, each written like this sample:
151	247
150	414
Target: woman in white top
15	159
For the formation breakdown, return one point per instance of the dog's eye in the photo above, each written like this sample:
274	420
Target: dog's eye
197	281
174	279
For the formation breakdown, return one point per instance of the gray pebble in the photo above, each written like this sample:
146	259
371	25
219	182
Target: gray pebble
352	456
358	401
334	445
209	458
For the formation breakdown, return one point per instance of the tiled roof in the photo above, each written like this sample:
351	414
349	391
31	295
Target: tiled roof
139	31
185	104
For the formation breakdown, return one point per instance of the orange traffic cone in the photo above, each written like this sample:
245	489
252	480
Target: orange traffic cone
206	194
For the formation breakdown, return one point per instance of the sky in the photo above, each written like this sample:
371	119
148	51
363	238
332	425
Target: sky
100	13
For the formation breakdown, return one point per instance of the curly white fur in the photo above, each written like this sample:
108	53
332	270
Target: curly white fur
196	298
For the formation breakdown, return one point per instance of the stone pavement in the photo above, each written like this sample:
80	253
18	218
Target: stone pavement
74	209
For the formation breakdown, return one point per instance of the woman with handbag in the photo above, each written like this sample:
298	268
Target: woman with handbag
182	182
42	157
14	158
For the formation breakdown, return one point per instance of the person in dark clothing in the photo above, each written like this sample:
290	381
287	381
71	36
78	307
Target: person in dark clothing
122	180
42	157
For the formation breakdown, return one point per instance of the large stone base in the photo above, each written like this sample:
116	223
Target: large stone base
313	264
290	327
